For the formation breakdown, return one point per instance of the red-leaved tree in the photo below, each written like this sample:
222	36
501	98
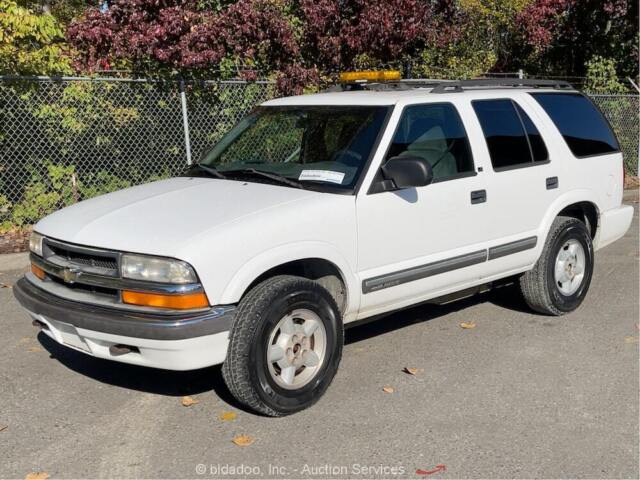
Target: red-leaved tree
296	40
299	41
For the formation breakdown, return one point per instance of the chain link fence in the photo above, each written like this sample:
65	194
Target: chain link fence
64	140
623	113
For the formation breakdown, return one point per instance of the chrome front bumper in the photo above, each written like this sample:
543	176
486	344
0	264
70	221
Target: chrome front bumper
149	325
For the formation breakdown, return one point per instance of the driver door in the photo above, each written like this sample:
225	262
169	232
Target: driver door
418	243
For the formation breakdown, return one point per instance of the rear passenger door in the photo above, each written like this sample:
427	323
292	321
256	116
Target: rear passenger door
523	182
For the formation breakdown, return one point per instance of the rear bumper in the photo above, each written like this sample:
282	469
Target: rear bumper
173	342
614	224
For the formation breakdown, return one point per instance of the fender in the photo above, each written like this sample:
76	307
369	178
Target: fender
559	204
282	254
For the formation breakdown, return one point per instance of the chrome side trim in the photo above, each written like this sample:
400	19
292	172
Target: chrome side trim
416	273
83	276
512	247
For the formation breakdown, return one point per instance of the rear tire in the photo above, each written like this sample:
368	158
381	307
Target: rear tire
560	279
285	346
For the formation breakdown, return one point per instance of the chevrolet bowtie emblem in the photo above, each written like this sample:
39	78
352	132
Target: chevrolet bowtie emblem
70	275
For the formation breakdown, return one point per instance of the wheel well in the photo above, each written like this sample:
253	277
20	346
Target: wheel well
318	269
586	212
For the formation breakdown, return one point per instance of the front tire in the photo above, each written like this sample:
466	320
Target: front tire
560	279
285	346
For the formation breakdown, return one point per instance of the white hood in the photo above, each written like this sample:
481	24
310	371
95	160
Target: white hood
158	218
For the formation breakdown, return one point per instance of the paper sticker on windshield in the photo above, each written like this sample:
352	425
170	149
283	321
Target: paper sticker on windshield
321	176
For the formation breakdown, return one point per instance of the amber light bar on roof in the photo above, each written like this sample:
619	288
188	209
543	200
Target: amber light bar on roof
370	76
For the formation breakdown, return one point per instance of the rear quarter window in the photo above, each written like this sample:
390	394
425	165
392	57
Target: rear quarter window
512	138
581	124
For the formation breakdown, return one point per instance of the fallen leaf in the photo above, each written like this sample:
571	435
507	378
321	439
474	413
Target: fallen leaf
410	370
468	325
227	416
35	349
388	389
3	427
37	476
243	440
188	401
5	285
631	339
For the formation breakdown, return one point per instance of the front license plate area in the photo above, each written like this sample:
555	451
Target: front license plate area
70	337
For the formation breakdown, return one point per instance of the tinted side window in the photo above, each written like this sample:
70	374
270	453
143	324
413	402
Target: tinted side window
504	132
581	124
538	148
435	134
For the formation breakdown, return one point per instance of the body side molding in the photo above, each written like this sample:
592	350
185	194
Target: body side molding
512	247
422	271
442	266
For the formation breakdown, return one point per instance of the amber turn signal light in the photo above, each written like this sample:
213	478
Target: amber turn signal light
158	300
37	271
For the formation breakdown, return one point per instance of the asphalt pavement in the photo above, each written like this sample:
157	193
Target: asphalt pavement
518	396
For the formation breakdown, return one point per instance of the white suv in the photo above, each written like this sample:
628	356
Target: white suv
319	210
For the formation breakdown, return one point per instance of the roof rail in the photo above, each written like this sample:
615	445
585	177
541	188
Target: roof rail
449	86
460	85
404	84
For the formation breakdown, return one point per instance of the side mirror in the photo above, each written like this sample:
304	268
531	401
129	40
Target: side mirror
407	172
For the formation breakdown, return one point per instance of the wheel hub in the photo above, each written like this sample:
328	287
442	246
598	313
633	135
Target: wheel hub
296	349
570	267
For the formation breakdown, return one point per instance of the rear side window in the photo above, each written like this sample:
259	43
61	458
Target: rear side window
538	148
583	127
512	138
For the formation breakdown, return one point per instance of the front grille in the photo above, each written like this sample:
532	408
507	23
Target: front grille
79	258
92	275
81	287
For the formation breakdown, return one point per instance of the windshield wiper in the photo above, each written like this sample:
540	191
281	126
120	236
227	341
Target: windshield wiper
210	170
272	176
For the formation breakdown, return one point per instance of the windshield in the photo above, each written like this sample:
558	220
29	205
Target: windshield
325	145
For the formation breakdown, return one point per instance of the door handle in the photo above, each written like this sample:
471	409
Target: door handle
552	182
478	196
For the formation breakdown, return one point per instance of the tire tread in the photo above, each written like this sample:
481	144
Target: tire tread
533	284
236	370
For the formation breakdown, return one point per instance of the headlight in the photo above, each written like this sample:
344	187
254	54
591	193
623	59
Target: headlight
35	243
138	267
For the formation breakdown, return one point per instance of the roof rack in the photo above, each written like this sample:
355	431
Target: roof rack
449	86
404	84
460	85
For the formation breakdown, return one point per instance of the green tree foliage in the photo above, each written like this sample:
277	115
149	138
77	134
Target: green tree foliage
45	195
559	37
602	76
63	10
30	43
